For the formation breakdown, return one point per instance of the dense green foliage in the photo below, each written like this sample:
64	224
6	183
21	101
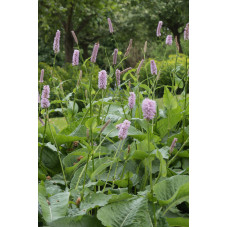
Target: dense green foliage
88	175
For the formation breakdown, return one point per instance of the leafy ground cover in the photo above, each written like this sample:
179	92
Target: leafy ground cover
123	160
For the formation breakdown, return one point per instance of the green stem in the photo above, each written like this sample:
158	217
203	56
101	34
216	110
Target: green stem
44	133
57	150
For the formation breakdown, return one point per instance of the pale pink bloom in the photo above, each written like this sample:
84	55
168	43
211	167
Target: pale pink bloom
186	32
153	68
115	57
56	45
118	77
38	97
125	70
94	52
41	76
110	25
169	40
173	145
160	23
102	79
45	103
41	121
46	92
145	47
129	48
139	67
123	129
131	100
75	60
75	37
148	108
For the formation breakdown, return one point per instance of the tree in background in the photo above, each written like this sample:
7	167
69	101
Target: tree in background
174	14
136	19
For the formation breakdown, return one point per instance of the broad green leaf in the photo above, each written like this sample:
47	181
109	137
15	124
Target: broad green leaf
84	221
179	221
169	100
139	155
170	122
57	208
132	212
91	123
172	191
94	200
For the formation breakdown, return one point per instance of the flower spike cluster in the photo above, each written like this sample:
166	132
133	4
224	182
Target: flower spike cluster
45	97
148	108
75	60
123	129
169	40
160	23
102	79
110	25
95	52
173	145
115	57
118	77
153	68
41	76
131	100
56	45
75	37
186	32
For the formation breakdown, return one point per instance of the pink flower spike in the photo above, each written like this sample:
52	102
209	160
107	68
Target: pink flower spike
110	25
139	67
95	52
123	129
173	145
153	68
45	103
56	45
160	23
41	76
46	92
126	70
75	60
131	100
169	40
186	32
102	79
115	57
148	108
118	77
75	37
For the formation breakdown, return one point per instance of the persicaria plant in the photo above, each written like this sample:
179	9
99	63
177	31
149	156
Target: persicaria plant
121	157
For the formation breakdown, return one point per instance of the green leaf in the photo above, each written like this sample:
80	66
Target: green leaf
172	191
169	100
132	212
57	208
139	155
179	221
94	200
174	117
85	221
91	123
